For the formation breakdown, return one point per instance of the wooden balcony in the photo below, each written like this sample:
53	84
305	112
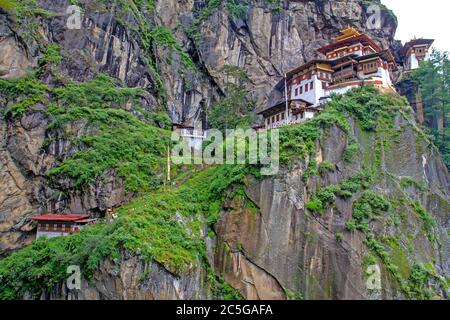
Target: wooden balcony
344	75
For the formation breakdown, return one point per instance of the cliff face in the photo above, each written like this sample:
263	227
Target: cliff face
134	279
116	39
279	248
173	52
317	256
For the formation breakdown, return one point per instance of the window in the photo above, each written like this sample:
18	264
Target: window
306	87
278	117
370	67
296	91
273	119
311	85
301	89
282	116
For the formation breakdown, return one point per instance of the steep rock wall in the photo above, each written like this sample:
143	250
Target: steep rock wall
132	278
114	39
315	255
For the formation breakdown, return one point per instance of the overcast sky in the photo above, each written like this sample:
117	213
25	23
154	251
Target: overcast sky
423	19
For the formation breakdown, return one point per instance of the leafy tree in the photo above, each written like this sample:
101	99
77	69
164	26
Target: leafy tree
433	78
234	109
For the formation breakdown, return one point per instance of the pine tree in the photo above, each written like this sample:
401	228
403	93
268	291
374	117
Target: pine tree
233	110
433	79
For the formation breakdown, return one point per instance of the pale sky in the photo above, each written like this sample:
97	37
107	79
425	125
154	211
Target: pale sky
424	19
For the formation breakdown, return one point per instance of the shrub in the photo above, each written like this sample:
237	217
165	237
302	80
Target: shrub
163	120
367	207
315	205
325	167
328	194
351	152
428	221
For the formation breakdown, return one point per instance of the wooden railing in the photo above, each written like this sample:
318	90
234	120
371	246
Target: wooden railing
344	74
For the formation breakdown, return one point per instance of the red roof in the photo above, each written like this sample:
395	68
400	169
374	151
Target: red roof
87	220
366	40
60	217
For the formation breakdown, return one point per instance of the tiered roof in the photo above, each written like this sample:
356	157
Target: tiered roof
348	37
415	43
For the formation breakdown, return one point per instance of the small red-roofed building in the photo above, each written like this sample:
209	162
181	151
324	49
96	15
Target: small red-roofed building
58	225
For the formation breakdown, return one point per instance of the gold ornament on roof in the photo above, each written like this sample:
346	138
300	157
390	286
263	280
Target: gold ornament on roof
347	33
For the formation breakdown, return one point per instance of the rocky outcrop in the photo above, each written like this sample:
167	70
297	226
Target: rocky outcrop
14	61
406	87
277	249
15	203
316	256
132	278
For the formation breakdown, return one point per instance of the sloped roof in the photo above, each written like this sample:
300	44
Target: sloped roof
415	42
348	41
282	104
306	65
59	217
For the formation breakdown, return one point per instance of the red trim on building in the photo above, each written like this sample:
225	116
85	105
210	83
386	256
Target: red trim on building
354	83
348	42
59	217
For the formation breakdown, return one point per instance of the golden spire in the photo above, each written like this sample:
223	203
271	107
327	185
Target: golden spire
347	33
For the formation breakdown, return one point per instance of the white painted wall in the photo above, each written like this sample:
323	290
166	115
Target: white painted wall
291	120
341	90
386	77
381	74
41	234
413	62
194	138
309	115
311	96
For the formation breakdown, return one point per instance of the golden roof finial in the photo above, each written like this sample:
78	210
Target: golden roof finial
347	33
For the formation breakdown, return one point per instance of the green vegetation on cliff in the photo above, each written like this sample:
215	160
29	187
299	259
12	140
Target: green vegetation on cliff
235	109
433	79
114	137
168	226
8	4
376	116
